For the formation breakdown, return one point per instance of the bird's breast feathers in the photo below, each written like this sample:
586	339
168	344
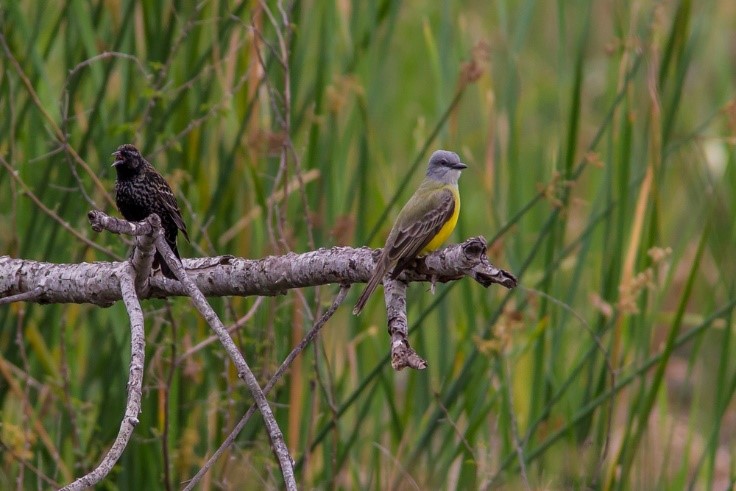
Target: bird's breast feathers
448	226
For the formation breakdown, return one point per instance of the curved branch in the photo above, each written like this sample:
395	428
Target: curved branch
267	388
135	383
244	372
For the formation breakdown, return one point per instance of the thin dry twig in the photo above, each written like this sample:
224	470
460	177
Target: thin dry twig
518	441
51	213
29	416
152	226
66	118
244	372
28	296
23	462
237	325
271	383
55	129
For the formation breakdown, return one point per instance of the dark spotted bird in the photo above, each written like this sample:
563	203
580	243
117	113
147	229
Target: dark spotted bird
140	191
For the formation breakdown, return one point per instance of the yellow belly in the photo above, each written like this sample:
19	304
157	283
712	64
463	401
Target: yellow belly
446	229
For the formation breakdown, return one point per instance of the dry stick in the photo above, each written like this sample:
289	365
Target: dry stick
144	251
271	383
14	175
237	325
94	283
58	133
151	226
67	398
165	443
402	355
518	444
135	382
255	211
66	101
23	462
30	295
28	412
244	371
214	111
25	415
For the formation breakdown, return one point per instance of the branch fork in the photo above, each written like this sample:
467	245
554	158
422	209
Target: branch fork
104	283
148	234
466	259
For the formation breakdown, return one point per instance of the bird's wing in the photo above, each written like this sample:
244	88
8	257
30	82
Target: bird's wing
411	238
169	201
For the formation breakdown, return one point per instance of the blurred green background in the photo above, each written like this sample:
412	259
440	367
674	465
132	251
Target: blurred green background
600	142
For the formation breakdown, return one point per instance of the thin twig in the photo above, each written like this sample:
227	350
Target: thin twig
518	442
271	383
240	323
29	296
58	133
29	414
244	371
24	463
66	398
166	456
51	213
65	118
606	358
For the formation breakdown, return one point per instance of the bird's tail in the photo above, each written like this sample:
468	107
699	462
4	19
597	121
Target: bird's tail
370	287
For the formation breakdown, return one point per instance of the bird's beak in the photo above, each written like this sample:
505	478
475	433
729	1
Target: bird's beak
118	160
459	166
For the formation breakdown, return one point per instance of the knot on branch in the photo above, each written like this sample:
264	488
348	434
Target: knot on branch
483	271
475	247
404	356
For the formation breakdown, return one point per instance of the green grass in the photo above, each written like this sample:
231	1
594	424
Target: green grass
598	134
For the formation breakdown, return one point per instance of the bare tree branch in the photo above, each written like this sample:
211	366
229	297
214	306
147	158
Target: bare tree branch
244	372
402	355
144	231
206	342
271	383
53	126
151	227
135	382
231	276
104	283
51	213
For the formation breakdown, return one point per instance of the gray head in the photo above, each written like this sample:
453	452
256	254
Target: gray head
445	166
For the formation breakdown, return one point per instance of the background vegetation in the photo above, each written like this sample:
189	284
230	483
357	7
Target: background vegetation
600	139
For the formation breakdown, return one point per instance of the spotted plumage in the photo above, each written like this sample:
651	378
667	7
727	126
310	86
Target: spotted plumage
141	191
